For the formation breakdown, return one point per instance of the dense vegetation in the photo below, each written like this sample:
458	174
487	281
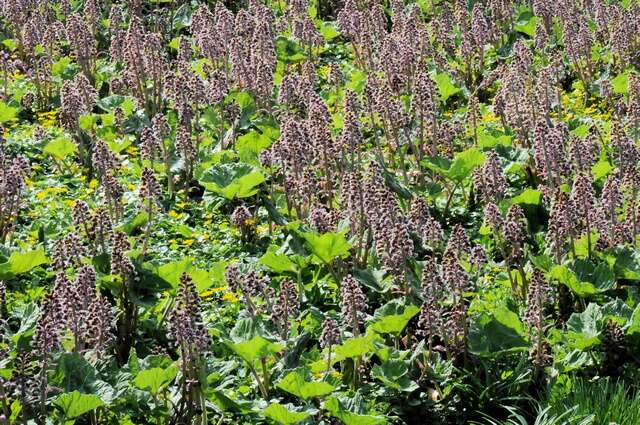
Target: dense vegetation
319	212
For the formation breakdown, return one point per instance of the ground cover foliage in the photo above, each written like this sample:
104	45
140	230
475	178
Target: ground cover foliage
314	212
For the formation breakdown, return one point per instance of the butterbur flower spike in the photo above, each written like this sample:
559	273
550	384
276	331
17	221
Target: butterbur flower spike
286	307
353	302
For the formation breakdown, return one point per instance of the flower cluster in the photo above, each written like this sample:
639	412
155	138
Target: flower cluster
185	321
13	173
286	307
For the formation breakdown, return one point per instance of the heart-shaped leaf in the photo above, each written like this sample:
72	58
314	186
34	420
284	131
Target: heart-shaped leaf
76	404
295	383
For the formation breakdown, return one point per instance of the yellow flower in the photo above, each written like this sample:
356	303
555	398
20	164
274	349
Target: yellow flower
174	214
207	294
188	242
230	297
93	184
210	292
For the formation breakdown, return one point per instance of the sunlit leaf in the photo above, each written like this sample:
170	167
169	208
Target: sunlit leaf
282	415
393	317
76	404
496	330
327	246
21	262
296	384
445	85
7	113
154	379
232	180
529	197
393	374
337	410
256	348
584	328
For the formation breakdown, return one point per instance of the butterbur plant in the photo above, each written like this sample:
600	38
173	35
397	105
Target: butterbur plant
329	338
358	212
13	173
353	306
243	220
250	285
285	308
538	299
191	338
123	269
150	194
583	200
46	340
145	66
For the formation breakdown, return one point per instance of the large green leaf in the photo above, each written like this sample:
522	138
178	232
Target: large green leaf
277	262
460	168
182	17
22	262
155	379
171	272
7	113
445	85
327	246
393	374
528	197
223	402
585	278
495	330
203	279
73	373
527	27
28	314
110	103
337	410
75	404
356	347
601	169
393	317
600	275
60	147
280	414
232	180
620	84
464	163
617	311
584	328
625	263
250	145
289	51
255	348
329	30
295	383
634	327
567	277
